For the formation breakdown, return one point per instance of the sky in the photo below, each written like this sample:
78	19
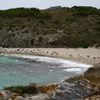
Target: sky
43	4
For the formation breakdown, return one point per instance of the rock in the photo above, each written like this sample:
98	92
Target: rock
74	91
93	70
19	98
94	97
13	96
5	95
1	95
38	97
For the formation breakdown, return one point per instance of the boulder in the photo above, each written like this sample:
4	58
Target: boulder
5	95
18	98
74	91
38	97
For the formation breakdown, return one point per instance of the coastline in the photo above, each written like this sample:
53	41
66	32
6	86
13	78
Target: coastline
91	77
82	55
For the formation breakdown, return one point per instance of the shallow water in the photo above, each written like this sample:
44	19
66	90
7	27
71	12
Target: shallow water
41	70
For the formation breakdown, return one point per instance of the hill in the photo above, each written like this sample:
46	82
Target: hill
61	27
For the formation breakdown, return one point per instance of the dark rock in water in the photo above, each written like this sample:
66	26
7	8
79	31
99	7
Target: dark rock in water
93	71
74	91
93	75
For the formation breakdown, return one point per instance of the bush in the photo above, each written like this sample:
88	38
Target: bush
23	89
85	11
63	27
20	12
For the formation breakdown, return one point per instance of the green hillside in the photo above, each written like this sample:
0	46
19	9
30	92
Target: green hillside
53	27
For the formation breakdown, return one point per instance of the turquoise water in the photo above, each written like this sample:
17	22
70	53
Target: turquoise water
19	71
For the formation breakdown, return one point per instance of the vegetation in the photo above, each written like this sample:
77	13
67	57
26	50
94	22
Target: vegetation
23	89
92	74
53	27
20	12
34	89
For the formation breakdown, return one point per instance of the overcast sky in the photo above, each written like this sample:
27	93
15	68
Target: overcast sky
42	4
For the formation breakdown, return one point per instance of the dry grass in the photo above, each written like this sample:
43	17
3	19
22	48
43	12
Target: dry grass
92	74
47	89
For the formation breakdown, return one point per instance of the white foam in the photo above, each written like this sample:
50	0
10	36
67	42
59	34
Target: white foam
73	70
51	70
16	60
64	63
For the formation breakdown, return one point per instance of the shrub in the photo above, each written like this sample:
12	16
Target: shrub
23	89
85	11
20	12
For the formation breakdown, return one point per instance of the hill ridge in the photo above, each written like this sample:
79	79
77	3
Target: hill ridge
63	27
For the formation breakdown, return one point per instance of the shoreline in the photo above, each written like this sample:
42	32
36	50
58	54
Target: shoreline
64	63
82	55
91	77
58	58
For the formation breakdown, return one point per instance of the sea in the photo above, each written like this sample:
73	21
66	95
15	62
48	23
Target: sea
25	69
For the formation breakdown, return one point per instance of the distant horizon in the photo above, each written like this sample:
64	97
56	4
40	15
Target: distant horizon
4	4
48	7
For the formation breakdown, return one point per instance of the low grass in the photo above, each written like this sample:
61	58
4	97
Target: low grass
21	90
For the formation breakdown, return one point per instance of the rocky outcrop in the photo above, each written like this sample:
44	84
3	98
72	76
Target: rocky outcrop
38	97
79	90
7	95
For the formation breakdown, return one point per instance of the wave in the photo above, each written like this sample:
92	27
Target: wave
62	62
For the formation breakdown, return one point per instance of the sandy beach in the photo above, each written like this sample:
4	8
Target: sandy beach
88	55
